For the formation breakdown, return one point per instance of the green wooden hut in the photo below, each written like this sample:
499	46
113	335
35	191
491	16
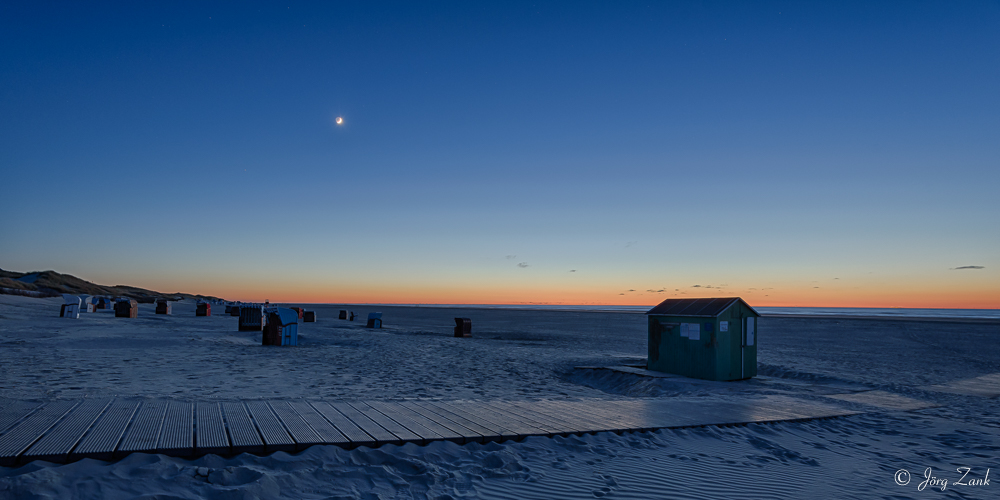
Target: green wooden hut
711	339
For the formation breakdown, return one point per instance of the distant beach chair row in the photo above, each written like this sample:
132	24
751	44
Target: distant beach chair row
463	326
73	305
251	315
279	325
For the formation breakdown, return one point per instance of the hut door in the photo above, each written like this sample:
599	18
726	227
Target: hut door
748	339
743	349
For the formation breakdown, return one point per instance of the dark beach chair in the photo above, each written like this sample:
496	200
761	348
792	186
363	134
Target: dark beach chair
70	307
126	308
163	306
463	327
251	318
282	327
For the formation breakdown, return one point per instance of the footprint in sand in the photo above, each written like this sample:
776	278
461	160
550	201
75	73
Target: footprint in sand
610	484
233	476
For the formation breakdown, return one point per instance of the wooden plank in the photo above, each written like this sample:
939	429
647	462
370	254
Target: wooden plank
379	433
344	425
568	420
670	414
759	410
650	415
243	434
405	435
177	433
798	409
301	432
395	412
561	415
468	435
144	431
559	410
489	430
637	415
66	430
503	419
516	427
643	416
619	416
605	414
326	432
275	436
20	437
766	410
103	438
12	412
210	430
551	428
723	412
687	413
605	421
65	435
417	423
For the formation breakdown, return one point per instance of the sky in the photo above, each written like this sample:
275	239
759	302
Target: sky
837	154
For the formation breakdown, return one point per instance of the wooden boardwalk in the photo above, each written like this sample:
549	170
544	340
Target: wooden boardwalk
109	429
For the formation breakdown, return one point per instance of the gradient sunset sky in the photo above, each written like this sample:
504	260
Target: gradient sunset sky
792	153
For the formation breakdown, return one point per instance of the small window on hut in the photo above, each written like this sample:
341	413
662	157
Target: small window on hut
691	330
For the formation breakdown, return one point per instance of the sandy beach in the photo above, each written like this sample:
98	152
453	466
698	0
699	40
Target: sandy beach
513	355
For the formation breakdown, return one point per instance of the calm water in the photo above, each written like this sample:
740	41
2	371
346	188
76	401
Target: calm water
814	311
875	311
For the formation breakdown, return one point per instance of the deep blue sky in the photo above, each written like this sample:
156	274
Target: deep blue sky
743	145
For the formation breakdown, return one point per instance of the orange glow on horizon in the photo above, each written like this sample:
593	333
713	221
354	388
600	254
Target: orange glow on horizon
854	292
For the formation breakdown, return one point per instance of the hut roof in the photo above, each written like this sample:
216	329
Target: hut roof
707	308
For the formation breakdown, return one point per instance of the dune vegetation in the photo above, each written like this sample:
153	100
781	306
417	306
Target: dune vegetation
51	283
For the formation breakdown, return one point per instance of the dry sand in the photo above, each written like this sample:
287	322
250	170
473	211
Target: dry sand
515	355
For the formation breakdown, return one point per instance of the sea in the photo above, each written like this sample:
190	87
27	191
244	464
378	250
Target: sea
805	311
